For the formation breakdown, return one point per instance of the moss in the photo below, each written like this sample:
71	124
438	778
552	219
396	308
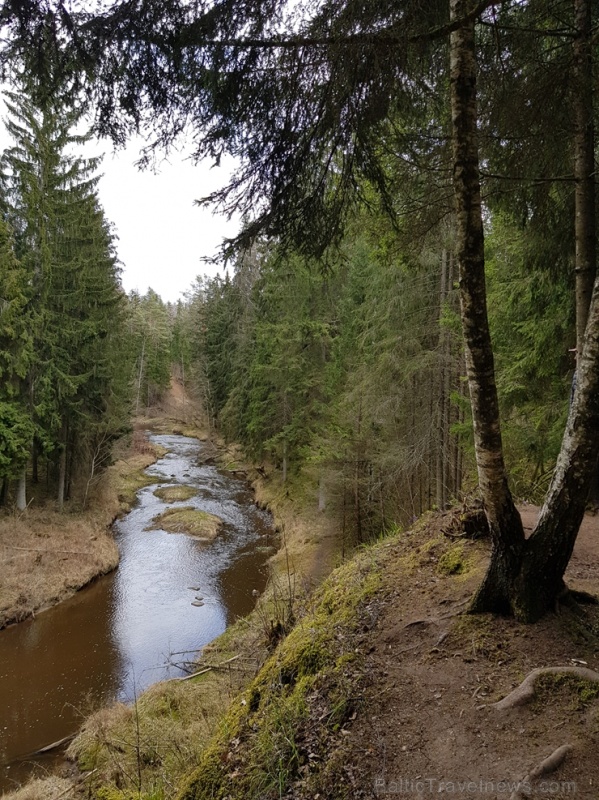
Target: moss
171	494
475	637
582	691
453	562
188	520
259	749
110	793
129	483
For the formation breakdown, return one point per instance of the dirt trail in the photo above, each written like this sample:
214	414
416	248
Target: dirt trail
426	726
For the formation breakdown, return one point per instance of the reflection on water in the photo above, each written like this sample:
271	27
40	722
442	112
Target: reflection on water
119	635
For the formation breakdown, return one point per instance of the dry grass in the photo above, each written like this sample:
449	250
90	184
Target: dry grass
46	556
188	520
171	494
47	789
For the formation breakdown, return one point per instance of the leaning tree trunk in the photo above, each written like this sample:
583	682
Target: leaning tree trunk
504	520
524	578
550	547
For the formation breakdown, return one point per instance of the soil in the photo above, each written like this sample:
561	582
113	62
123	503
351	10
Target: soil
426	724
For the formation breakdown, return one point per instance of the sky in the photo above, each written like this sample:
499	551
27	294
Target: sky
162	235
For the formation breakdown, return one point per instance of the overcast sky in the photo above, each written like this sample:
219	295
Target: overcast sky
162	234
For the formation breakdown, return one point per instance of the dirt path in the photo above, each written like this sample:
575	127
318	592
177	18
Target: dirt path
427	727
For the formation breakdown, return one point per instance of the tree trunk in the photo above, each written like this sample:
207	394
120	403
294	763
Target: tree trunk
441	428
34	463
322	501
524	577
62	468
504	521
585	228
584	167
284	461
140	376
22	490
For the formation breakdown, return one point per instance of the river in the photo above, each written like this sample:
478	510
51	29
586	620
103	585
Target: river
170	596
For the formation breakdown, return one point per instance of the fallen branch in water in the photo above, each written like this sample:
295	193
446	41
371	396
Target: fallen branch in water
49	747
207	669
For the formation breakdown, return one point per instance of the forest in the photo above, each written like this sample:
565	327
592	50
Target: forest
392	366
349	372
417	261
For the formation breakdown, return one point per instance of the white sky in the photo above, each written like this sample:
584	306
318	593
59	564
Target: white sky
162	234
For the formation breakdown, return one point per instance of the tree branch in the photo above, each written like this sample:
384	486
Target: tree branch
190	38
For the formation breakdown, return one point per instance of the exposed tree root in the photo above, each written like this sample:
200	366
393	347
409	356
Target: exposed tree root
548	765
526	691
585	598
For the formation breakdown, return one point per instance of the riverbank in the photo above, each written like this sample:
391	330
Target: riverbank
383	685
230	661
46	555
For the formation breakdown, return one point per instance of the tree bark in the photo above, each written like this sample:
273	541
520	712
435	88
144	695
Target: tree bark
524	578
22	490
440	476
504	520
584	167
62	468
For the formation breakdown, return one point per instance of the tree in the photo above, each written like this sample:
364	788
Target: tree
16	351
309	105
73	297
149	328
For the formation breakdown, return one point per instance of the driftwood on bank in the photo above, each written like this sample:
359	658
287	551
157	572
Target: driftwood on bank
77	783
207	669
55	745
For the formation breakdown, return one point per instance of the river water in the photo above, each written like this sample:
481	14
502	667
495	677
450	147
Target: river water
136	626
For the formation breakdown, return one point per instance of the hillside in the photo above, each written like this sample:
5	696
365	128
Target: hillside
412	709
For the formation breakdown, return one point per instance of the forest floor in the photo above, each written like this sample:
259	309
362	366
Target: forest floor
427	725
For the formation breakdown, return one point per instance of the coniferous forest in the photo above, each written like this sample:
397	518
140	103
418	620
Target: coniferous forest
416	263
396	355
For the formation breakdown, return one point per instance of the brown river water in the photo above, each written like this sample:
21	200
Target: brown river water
119	635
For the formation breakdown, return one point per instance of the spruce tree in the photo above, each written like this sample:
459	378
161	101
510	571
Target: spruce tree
66	249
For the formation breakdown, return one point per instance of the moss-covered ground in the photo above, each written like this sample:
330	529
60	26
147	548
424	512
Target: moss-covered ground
173	494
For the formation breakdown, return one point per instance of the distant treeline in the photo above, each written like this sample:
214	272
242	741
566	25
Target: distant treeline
351	372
